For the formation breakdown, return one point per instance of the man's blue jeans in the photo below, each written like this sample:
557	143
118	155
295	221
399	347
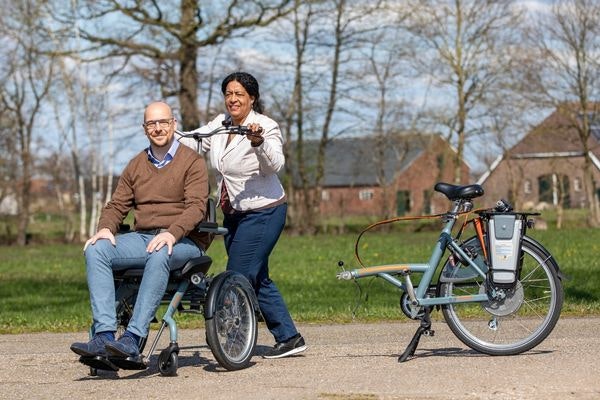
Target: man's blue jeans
251	238
130	252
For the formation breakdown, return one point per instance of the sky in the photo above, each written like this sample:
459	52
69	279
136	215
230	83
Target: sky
123	122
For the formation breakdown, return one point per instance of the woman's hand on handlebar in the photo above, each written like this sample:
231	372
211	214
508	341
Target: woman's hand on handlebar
255	136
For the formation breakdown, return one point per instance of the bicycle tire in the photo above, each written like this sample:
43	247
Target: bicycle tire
232	329
520	322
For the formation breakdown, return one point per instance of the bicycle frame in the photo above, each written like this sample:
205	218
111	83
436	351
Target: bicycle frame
417	295
497	325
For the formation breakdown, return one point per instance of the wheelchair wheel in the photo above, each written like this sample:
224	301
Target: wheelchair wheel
231	323
168	362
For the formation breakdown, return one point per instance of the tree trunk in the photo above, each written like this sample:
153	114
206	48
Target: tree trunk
590	193
25	195
188	73
82	209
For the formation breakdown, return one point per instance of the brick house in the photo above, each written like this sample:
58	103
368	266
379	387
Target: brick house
546	165
367	176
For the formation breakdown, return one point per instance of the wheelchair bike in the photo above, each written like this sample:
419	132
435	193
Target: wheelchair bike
227	301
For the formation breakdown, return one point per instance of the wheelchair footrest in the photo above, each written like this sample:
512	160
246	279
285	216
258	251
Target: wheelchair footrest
129	362
98	362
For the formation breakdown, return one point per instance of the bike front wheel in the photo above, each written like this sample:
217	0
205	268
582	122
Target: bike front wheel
519	322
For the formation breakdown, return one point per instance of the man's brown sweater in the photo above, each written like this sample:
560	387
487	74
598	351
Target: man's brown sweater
173	197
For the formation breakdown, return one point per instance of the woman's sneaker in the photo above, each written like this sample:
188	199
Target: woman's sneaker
292	346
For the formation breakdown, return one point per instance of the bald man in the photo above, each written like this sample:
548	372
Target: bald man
166	186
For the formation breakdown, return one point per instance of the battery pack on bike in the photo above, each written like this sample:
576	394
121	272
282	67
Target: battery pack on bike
505	231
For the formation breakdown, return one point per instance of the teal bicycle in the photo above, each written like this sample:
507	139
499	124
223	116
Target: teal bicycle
500	291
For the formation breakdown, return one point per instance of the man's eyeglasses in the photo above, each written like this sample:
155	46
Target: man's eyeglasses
150	126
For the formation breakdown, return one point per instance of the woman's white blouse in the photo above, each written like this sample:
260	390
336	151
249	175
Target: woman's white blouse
249	173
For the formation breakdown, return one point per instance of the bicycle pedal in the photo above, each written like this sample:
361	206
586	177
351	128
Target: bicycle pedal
429	332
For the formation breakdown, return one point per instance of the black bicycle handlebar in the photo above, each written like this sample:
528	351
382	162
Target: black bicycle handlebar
235	129
227	127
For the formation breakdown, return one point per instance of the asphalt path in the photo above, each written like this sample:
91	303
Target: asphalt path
343	362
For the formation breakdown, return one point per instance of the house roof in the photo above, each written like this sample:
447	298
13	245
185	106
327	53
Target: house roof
355	161
556	134
555	137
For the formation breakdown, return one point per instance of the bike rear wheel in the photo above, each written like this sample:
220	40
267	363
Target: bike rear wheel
519	322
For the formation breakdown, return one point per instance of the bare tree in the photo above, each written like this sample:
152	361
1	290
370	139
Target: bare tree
58	167
386	54
289	105
462	48
26	77
343	23
564	73
8	160
504	127
167	36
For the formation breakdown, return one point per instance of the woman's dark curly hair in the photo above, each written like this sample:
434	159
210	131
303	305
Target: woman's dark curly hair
249	83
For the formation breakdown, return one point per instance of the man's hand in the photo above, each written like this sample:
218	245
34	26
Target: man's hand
161	240
103	233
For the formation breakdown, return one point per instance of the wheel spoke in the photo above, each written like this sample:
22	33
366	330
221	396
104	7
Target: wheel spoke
524	316
232	332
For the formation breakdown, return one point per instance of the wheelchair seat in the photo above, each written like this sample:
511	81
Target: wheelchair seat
178	273
193	265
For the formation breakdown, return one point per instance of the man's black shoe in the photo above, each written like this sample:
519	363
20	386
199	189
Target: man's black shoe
291	346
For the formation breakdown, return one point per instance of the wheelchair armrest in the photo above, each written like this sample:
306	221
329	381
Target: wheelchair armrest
210	225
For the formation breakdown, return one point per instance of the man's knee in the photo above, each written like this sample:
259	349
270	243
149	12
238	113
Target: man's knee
159	259
93	251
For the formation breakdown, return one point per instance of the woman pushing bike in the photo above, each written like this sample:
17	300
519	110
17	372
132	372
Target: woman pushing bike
252	199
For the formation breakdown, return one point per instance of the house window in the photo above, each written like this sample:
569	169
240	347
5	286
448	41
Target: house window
427	201
554	189
527	186
402	202
577	186
325	195
366	194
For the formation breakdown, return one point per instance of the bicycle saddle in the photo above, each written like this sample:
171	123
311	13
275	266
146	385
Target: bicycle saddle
456	192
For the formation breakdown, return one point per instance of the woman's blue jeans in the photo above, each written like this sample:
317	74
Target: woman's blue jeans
251	239
130	252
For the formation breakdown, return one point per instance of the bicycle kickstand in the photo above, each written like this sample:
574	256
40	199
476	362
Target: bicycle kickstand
423	329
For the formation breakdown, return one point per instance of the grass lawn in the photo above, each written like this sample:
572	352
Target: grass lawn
43	287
